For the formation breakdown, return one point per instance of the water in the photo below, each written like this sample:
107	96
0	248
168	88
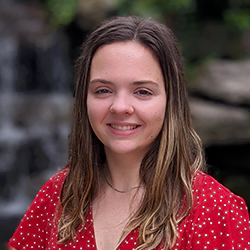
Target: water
35	108
37	148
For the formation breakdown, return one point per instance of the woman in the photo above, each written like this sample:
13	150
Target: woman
134	177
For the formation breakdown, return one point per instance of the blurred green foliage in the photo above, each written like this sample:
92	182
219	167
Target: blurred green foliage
62	12
236	13
157	9
238	18
206	29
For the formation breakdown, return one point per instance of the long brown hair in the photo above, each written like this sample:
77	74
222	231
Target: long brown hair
166	170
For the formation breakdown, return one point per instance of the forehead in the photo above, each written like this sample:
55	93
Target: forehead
126	53
128	61
124	46
131	48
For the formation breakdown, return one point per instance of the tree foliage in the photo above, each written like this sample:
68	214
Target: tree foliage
62	12
238	14
157	9
235	13
205	28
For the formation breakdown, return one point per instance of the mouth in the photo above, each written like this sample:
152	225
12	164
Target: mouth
123	128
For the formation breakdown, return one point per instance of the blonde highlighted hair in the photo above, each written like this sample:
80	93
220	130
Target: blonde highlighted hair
166	170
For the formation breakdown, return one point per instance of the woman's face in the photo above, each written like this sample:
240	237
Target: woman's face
126	100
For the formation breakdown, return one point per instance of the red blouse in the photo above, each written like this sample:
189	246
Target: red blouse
218	220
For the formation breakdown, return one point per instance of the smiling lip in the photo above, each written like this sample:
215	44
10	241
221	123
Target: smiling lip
123	128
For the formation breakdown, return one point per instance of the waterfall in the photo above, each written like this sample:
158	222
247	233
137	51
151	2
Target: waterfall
35	107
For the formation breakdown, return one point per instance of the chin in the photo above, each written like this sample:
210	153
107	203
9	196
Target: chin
122	150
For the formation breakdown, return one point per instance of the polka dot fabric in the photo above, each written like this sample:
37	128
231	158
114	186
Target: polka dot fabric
218	220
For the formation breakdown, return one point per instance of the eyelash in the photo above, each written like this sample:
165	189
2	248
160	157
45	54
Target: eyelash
141	92
102	91
144	92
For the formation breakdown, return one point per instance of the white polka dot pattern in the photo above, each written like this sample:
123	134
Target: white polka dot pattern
218	220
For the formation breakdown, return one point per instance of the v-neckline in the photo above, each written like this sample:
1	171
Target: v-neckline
91	219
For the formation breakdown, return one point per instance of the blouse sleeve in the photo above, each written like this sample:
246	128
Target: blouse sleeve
238	219
223	223
32	232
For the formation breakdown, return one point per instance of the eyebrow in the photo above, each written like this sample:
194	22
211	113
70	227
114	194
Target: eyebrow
100	80
145	82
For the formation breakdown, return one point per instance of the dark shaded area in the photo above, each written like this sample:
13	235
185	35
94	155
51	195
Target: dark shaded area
30	159
44	67
7	224
211	9
230	159
76	37
229	164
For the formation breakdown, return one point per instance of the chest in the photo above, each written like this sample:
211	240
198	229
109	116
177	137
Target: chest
86	239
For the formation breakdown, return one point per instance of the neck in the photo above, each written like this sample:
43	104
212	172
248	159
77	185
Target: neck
122	172
121	191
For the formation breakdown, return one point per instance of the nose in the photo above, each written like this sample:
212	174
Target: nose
122	105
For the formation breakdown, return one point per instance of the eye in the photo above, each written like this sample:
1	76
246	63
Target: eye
143	92
102	91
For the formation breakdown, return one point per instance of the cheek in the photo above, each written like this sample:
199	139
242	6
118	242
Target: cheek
158	120
92	112
159	115
96	112
94	116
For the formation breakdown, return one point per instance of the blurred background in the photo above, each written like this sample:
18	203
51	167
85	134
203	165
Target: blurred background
39	43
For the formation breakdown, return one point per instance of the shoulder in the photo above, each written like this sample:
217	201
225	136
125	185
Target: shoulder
218	219
49	195
41	217
215	206
205	187
51	190
206	181
209	194
58	179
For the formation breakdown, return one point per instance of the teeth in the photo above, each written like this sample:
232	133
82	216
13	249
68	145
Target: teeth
122	127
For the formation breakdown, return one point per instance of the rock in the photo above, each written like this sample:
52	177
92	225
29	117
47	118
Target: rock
220	102
226	81
218	123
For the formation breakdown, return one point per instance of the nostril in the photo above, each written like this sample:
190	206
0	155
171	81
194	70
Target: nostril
122	108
